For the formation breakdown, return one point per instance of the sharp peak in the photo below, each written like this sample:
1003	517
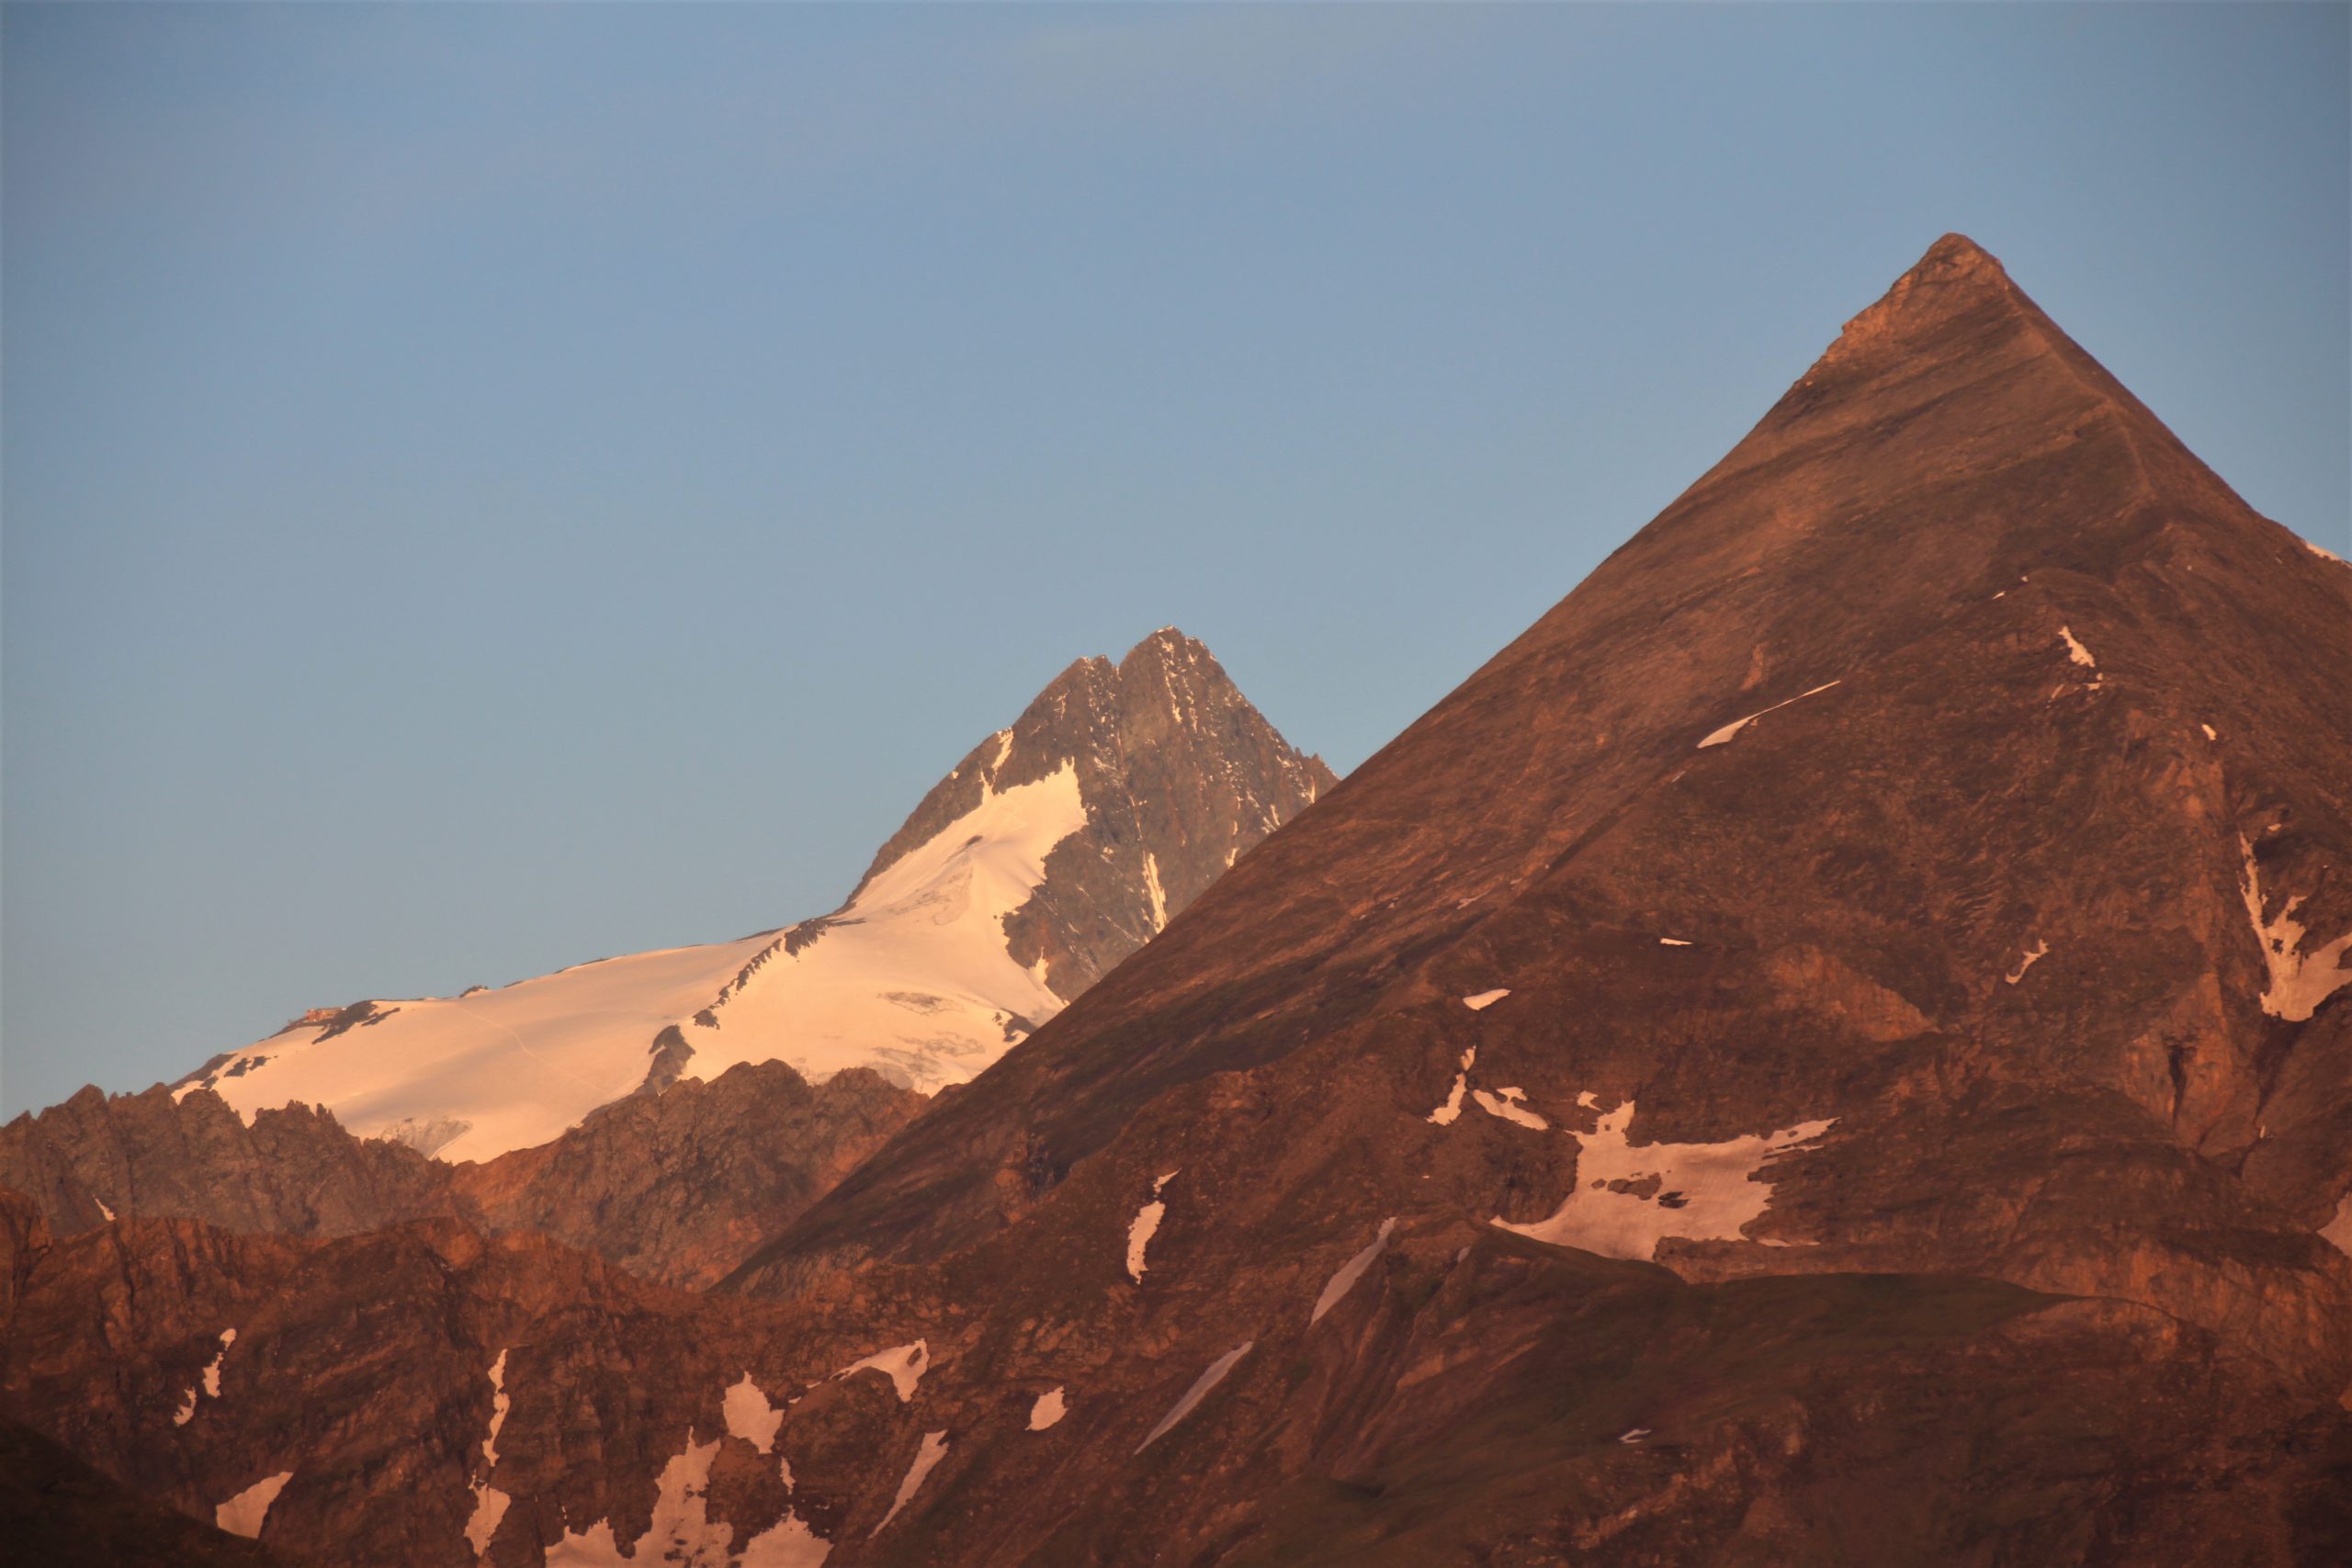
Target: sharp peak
1165	638
1955	274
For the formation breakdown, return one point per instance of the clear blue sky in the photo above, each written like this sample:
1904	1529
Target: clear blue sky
490	487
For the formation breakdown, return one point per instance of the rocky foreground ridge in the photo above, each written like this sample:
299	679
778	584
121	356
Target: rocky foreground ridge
1832	1046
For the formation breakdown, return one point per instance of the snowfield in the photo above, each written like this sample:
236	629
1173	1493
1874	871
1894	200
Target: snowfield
913	978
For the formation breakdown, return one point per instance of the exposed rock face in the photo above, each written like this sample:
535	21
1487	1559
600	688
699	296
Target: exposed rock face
294	1169
1870	784
1058	847
1801	1058
1180	775
682	1185
58	1512
677	1186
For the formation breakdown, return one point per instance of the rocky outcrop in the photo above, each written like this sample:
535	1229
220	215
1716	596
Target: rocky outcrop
680	1186
58	1512
676	1186
1180	775
293	1169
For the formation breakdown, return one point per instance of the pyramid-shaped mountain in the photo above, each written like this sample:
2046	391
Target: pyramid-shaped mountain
1959	741
1059	845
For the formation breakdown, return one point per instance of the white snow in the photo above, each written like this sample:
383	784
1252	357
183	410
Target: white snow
2300	981
1198	1392
1672	941
498	1407
930	926
1445	1114
490	1503
1144	1225
904	1365
186	1412
1717	737
1336	1290
1505	1103
469	1077
2325	554
913	980
2339	1229
751	1416
788	1543
682	1531
102	1207
2076	650
212	1372
1483	1001
2026	961
1158	894
1714	1183
246	1511
2208	732
927	1458
1638	1433
1048	1410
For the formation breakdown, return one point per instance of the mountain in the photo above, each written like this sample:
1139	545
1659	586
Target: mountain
1054	849
676	1186
1830	1047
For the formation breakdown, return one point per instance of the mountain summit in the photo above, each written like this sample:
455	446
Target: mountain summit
1959	657
1057	846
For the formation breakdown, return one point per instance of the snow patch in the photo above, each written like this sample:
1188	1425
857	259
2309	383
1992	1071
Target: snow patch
2325	554
1336	1290
1635	1436
102	1207
1672	941
212	1370
186	1412
490	1503
2339	1229
1158	894
1718	737
1505	1103
927	1458
1445	1114
245	1513
498	1407
682	1531
1048	1410
2076	650
2300	981
490	1512
1483	1001
788	1543
1200	1390
1628	1198
1144	1227
904	1365
750	1416
2208	732
2026	961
